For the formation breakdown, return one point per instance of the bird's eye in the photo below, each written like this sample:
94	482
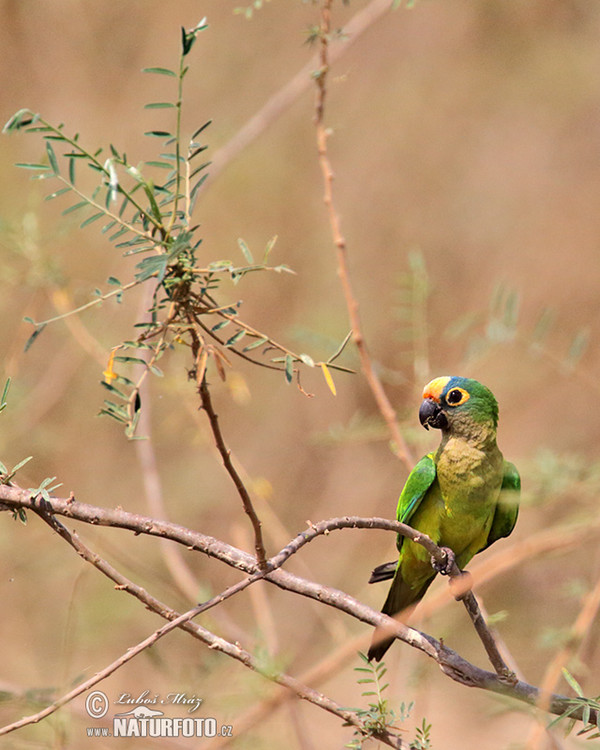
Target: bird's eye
456	397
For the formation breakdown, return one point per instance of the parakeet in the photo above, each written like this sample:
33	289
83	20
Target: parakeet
464	496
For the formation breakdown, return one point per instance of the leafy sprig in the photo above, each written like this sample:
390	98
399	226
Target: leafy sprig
146	210
587	706
378	719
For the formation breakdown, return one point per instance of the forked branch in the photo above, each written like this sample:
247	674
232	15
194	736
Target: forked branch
450	662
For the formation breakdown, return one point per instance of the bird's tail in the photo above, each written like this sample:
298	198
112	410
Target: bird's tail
400	596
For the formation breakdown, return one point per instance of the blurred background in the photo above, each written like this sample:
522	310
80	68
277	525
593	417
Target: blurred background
466	148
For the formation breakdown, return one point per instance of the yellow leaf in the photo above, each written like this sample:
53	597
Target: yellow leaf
109	373
328	378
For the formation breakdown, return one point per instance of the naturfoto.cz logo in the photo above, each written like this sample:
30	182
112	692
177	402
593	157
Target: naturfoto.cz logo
144	721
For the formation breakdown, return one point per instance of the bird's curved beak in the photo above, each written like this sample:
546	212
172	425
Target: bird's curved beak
431	415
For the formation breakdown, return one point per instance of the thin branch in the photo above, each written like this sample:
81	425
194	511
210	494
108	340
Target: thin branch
237	480
450	662
383	403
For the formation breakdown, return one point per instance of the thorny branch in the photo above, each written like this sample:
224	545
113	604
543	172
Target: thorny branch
383	403
450	662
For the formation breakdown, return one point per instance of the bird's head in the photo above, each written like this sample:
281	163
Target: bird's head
458	405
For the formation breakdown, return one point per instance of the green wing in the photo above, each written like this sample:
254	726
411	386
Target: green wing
419	481
507	508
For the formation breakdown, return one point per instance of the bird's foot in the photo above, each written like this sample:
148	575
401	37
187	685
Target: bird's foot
444	567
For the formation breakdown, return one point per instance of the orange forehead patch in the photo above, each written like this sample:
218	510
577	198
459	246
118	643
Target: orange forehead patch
435	388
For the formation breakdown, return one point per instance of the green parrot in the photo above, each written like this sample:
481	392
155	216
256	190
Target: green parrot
464	496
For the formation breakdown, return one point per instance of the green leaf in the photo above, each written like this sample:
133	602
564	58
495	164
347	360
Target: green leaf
20	119
160	71
21	515
153	204
235	338
187	41
114	411
245	250
74	207
119	233
196	133
33	337
128	358
289	368
91	219
159	164
196	187
220	325
3	401
158	134
109	226
52	157
124	380
199	168
31	165
112	389
159	105
155	265
20	465
255	344
62	191
572	682
268	248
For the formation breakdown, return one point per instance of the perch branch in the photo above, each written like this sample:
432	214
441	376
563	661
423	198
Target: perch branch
450	662
177	620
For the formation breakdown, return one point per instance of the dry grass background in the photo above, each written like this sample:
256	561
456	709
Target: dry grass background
468	131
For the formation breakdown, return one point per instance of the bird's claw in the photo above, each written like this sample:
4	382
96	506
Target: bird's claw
445	567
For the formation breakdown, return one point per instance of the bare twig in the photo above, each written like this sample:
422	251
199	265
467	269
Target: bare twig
237	480
383	403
